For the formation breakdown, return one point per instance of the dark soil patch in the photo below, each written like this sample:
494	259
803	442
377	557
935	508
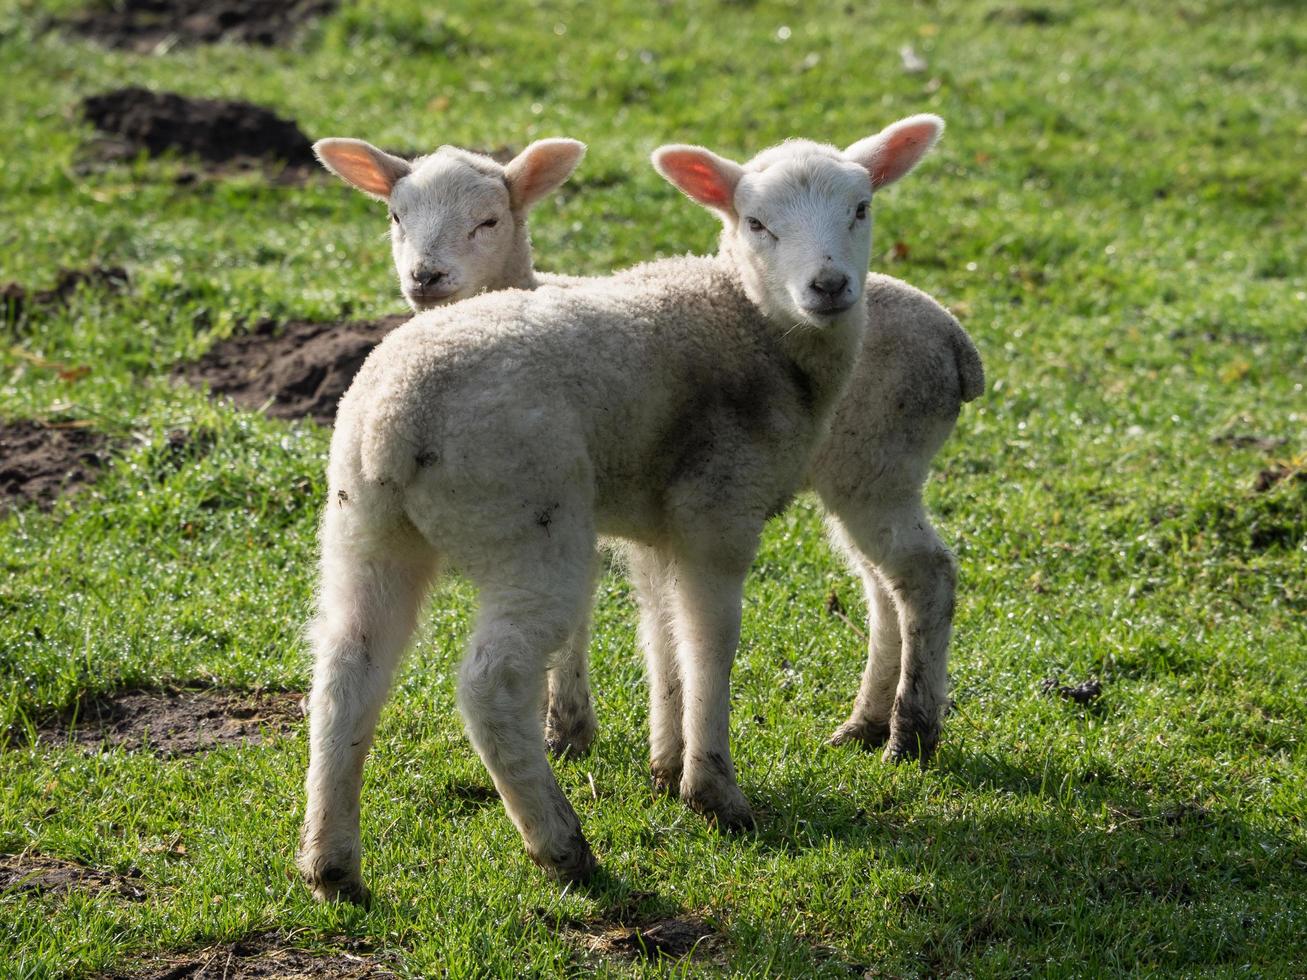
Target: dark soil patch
466	797
17	302
1249	440
174	722
54	876
1082	693
1024	16
156	25
266	955
1266	479
38	462
293	370
220	133
672	938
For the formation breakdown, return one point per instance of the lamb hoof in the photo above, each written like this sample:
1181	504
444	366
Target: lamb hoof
576	865
729	812
568	739
666	780
911	746
868	734
338	885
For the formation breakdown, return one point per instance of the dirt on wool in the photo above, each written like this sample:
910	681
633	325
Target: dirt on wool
154	26
292	370
222	134
18	303
173	722
43	875
40	461
266	955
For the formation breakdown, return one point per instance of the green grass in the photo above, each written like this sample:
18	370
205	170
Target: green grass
1116	214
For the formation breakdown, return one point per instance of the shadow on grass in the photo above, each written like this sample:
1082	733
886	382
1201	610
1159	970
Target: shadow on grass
1012	862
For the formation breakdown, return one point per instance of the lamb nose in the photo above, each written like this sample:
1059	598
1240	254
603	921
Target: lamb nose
829	285
427	277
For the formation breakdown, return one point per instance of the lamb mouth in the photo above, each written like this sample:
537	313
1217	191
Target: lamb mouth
432	298
829	309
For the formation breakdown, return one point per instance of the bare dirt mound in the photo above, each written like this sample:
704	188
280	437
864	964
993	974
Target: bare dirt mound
38	462
18	303
156	25
174	722
672	938
267	956
294	370
55	876
218	132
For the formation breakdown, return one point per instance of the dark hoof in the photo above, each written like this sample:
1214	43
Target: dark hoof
575	866
729	816
666	781
868	734
910	746
569	744
339	885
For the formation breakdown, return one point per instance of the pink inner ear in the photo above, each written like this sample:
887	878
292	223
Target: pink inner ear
541	168
901	152
360	168
540	172
698	178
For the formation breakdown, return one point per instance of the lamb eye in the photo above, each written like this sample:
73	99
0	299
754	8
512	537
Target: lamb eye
489	223
755	224
861	213
394	218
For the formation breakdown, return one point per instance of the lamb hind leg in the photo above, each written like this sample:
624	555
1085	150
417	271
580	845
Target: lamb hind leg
570	722
501	684
920	574
367	610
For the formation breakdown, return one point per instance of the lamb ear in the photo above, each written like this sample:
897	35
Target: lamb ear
701	175
372	171
897	148
540	169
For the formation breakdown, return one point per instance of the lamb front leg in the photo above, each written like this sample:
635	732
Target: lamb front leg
707	629
654	580
869	722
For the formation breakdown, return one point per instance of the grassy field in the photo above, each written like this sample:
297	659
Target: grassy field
1115	214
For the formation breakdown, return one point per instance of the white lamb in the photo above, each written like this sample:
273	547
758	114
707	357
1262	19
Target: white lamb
463	228
674	405
465	216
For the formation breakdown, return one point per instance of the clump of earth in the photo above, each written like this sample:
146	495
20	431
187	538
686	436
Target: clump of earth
40	461
148	26
292	370
267	956
216	132
173	722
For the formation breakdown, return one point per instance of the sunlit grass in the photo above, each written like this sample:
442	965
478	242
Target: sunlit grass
1115	213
